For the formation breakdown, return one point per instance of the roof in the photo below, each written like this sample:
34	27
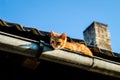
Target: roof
33	43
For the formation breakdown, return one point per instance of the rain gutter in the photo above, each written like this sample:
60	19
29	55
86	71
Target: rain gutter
94	64
19	45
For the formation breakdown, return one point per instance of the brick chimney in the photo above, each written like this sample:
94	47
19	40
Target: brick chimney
97	34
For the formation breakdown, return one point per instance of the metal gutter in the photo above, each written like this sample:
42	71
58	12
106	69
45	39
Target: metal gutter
94	64
19	45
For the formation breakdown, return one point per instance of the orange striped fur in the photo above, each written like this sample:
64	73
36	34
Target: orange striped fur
59	41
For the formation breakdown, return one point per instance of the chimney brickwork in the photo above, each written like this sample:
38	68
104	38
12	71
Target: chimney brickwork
97	34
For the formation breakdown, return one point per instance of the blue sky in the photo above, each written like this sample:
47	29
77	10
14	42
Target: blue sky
69	16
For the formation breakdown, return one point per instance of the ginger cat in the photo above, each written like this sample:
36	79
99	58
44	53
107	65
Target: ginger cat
59	41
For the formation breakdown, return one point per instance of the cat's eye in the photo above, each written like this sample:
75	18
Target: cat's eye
58	43
52	42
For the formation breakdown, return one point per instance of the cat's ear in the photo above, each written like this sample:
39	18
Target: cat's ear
63	36
52	33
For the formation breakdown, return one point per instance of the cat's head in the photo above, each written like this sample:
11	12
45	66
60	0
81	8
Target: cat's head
57	41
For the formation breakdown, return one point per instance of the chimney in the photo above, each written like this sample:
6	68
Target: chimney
97	34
